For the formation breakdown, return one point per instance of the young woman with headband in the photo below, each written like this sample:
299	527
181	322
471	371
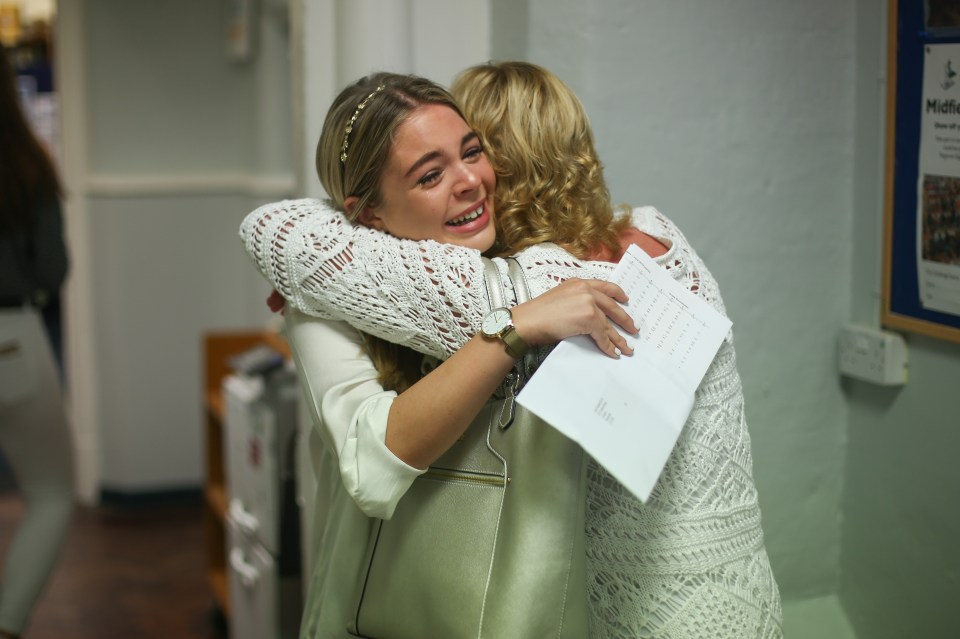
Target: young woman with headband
395	153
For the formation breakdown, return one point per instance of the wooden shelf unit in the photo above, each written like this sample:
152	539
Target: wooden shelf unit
218	348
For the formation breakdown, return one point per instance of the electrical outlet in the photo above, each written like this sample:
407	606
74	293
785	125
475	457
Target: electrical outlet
873	355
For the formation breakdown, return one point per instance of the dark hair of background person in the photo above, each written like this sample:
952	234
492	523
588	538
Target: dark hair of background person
28	177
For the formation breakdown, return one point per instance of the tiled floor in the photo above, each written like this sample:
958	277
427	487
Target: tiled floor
139	572
130	572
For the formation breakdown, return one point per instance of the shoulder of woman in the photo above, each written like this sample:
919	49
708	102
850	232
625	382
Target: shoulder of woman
650	220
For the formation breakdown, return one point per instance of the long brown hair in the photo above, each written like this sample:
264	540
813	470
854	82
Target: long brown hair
28	177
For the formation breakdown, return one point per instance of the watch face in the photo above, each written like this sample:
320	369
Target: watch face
495	321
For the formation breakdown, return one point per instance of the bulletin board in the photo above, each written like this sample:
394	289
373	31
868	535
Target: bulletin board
921	261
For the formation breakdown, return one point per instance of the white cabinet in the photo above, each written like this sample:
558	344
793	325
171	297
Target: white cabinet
254	588
262	516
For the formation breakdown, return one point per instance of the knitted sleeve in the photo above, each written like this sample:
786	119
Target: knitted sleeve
422	294
425	295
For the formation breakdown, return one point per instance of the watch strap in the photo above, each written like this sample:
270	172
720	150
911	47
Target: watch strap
516	346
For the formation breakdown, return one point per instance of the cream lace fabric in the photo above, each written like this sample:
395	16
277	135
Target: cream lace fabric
690	563
327	267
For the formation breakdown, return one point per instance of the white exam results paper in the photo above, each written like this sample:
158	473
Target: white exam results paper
627	413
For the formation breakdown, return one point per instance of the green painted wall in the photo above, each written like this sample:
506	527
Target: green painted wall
900	557
900	562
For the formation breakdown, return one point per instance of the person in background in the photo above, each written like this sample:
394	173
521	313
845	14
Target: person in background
34	433
688	563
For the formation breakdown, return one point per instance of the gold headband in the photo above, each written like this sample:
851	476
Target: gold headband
356	114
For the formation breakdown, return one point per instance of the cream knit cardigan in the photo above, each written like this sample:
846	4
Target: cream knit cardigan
691	561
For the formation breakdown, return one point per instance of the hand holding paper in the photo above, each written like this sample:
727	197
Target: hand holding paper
628	413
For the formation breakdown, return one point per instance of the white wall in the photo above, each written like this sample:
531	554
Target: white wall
758	126
735	118
899	560
339	41
176	143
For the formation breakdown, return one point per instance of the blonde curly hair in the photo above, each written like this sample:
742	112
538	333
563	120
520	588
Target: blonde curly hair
550	184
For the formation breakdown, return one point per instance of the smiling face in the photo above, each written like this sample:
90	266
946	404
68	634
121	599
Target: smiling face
437	184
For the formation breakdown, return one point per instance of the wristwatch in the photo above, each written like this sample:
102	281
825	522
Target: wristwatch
498	324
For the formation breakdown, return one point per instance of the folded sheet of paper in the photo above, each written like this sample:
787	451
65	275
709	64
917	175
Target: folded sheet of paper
627	413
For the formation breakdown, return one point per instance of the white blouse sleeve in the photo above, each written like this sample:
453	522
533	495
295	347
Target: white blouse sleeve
349	408
425	295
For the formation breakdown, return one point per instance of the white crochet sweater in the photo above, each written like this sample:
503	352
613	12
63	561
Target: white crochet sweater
691	561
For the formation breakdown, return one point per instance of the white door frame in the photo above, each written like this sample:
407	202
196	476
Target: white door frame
79	312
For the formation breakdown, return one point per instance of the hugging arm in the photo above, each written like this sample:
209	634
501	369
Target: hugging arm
348	409
425	295
382	440
327	267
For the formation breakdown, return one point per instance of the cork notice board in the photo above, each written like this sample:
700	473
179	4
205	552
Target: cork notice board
921	252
